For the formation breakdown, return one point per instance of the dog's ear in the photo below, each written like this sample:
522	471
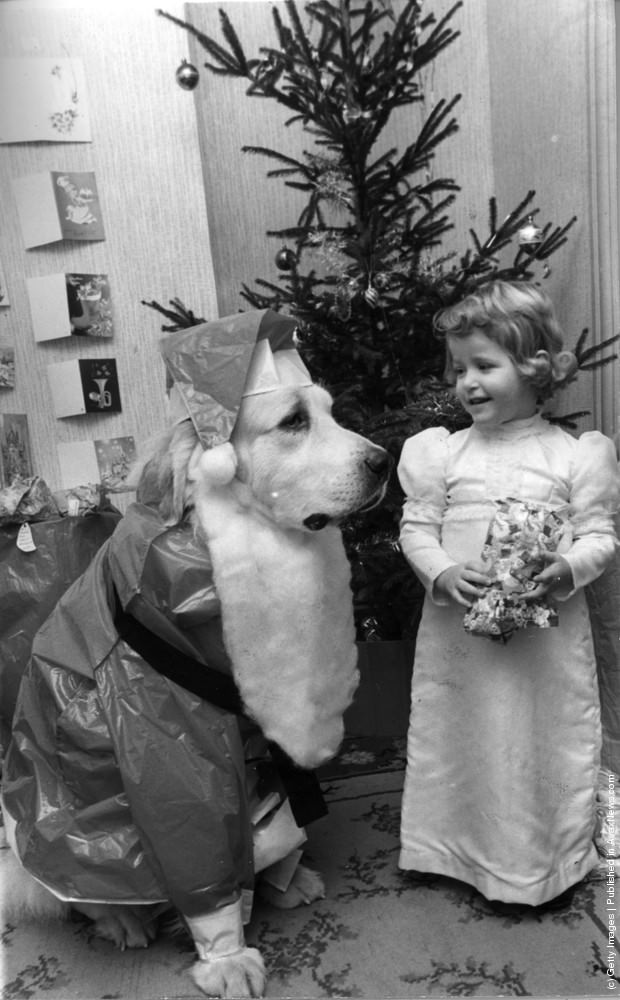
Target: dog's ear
163	481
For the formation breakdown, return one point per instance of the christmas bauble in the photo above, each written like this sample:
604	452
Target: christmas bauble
187	75
372	296
530	235
285	259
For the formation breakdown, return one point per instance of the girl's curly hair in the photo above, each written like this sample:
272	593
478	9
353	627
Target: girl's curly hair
520	317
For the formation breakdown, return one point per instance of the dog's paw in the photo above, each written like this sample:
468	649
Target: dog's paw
240	975
306	886
121	925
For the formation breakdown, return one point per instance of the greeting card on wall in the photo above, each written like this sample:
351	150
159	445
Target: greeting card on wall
65	305
106	462
4	295
57	205
15	451
7	366
43	100
84	385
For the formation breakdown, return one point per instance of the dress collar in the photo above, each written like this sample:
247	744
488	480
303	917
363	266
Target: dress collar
514	428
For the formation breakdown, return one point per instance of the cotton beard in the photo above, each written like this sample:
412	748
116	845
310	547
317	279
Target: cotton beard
287	619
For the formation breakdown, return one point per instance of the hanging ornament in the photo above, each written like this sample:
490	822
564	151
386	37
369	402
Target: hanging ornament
187	76
372	296
353	113
530	236
285	259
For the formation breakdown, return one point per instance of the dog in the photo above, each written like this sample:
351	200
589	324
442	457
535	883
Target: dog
262	509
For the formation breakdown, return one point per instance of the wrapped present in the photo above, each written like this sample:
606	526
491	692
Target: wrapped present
26	500
81	500
519	536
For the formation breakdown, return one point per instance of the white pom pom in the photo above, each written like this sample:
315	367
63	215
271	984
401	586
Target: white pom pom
218	466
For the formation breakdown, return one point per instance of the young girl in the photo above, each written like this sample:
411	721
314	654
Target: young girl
504	739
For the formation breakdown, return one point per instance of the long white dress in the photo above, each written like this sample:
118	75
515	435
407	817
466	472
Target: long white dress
504	739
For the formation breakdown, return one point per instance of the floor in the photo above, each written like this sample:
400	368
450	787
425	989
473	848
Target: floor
378	934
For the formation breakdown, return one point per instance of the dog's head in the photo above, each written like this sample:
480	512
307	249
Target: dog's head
293	460
299	464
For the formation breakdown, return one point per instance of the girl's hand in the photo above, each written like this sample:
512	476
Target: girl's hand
462	582
557	577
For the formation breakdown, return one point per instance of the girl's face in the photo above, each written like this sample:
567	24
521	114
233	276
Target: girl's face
488	383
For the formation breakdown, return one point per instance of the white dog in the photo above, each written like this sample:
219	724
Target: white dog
262	510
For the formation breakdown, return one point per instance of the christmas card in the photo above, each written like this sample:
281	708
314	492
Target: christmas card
58	205
43	100
7	366
15	451
105	462
65	305
4	295
84	385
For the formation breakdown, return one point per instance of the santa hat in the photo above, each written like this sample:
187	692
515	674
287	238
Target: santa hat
214	365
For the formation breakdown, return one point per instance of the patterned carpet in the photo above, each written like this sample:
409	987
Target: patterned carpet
377	935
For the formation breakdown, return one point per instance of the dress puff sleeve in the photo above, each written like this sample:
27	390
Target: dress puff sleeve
594	499
421	471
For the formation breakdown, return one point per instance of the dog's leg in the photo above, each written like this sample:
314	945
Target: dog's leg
306	886
22	897
241	975
226	967
124	926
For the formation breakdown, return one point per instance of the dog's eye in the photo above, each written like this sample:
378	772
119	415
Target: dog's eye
295	421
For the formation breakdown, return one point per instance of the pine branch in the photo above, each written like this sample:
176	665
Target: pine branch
228	64
235	45
432	133
180	316
294	165
587	359
579	346
301	37
569	420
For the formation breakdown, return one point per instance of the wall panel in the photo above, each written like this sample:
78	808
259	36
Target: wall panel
146	160
553	117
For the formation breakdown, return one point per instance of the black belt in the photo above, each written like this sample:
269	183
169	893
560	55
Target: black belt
302	786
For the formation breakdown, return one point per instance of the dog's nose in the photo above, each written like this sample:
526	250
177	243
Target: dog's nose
316	521
380	464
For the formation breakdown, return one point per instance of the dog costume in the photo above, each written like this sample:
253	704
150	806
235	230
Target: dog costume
124	781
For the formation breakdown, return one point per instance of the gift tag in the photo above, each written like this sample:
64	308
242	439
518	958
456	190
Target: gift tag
25	541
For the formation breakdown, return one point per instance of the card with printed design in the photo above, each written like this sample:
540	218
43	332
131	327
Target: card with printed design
58	205
70	305
43	99
7	366
4	292
15	450
84	385
105	462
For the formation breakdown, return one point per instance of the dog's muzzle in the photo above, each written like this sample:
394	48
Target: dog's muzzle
380	466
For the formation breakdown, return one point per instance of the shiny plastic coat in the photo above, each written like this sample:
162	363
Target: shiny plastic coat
124	786
31	584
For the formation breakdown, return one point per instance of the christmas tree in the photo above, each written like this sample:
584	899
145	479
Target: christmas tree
361	268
